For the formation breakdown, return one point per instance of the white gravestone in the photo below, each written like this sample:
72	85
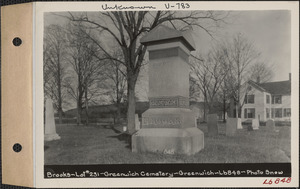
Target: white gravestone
137	122
239	123
50	129
196	112
255	124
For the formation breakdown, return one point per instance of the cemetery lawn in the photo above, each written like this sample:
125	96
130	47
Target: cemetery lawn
100	145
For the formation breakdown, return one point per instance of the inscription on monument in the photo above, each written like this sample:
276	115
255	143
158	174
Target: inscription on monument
163	102
183	102
169	102
161	122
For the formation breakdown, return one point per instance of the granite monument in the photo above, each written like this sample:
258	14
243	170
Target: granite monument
168	125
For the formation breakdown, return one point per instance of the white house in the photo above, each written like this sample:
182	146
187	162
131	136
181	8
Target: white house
265	101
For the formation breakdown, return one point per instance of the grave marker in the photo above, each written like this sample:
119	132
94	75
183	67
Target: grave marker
137	122
255	124
239	123
231	126
50	129
270	124
212	124
168	125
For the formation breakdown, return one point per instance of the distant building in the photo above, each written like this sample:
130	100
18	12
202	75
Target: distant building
266	101
198	109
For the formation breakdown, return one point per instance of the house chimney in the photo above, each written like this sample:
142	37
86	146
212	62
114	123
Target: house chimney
290	76
258	79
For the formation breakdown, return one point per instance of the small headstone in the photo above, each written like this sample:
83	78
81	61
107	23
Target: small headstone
270	124
239	123
212	124
137	122
249	127
255	124
231	126
50	129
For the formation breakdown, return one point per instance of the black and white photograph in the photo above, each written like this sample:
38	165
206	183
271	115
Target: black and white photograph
167	87
158	94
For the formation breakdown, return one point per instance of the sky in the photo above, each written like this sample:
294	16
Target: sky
269	31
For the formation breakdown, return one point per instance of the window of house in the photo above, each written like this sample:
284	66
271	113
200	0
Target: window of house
276	99
272	112
268	99
234	113
249	113
268	112
249	99
278	112
287	112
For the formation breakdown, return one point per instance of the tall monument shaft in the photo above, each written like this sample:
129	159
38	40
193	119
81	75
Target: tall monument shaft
168	125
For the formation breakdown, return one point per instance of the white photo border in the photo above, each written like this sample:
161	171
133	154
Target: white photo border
41	7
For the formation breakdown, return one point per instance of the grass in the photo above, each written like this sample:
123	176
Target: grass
100	145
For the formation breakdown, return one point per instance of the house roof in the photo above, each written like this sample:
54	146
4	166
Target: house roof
257	86
163	33
278	87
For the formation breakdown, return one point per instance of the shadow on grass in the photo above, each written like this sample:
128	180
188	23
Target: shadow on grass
124	137
46	147
115	130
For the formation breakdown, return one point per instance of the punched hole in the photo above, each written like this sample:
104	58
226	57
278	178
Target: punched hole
17	41
17	147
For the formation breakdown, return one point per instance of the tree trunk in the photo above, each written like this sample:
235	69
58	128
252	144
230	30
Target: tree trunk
79	110
60	112
118	95
86	115
86	107
131	105
237	110
118	112
59	89
224	109
78	116
204	113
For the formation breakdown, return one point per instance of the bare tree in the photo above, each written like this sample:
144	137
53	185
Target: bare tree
55	66
260	72
224	97
115	83
194	90
209	74
126	28
240	54
86	68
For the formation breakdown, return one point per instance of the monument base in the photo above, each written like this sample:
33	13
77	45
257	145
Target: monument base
50	137
168	140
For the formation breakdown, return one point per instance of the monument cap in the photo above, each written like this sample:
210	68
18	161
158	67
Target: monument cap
163	34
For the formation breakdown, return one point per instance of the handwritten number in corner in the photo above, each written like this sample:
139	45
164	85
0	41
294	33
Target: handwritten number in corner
277	181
